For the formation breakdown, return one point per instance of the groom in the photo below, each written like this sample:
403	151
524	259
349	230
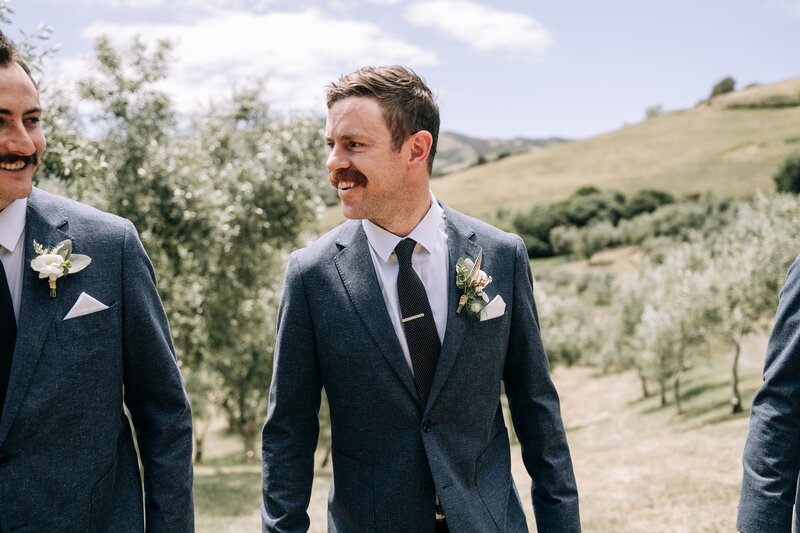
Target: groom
75	350
411	363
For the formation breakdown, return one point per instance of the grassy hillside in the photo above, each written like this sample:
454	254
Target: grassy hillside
457	152
715	146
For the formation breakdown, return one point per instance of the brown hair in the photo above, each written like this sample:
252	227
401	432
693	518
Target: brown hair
407	103
9	54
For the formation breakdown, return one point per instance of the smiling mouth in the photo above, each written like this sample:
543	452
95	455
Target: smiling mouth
345	179
14	164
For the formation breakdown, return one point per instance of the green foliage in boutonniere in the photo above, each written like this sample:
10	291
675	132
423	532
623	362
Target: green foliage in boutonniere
472	280
52	263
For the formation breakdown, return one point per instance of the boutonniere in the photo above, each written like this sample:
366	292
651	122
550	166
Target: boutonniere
472	280
52	263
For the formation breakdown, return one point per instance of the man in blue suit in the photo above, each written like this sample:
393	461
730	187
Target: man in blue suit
82	336
413	317
769	496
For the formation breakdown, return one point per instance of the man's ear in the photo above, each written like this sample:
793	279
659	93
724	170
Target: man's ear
420	144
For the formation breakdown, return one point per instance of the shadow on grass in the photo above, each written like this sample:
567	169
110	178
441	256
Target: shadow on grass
232	494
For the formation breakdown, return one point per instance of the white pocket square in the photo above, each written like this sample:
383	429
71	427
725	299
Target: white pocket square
494	309
85	305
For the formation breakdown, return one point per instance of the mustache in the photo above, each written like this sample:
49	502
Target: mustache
10	158
346	174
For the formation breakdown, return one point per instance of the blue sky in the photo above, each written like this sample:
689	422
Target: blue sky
501	68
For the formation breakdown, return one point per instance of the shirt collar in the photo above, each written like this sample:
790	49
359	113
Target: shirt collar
12	223
426	233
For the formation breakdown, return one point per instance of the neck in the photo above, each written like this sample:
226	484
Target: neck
405	222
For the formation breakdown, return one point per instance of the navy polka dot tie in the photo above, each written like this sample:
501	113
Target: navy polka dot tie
8	335
421	335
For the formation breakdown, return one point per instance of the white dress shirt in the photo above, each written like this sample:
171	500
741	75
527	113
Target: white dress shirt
12	249
429	260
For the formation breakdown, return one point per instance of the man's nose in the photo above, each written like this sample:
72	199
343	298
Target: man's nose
337	160
17	140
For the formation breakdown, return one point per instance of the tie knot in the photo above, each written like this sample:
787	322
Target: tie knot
404	249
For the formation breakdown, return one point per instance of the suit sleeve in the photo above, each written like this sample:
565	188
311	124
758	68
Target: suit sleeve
155	396
292	427
772	452
535	411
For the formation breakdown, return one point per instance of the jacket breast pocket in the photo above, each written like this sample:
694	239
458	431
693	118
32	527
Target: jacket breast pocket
88	325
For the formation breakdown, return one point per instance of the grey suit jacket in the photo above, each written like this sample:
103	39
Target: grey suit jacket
389	455
67	456
772	452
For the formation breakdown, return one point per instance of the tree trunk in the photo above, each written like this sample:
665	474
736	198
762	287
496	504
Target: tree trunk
249	431
662	386
736	399
645	391
676	387
199	448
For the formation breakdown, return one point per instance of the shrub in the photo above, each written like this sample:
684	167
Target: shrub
535	225
646	201
726	85
787	179
583	209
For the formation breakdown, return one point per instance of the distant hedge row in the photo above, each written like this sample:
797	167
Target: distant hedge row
587	206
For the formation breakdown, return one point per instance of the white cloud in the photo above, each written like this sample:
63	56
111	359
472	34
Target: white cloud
481	27
184	5
298	52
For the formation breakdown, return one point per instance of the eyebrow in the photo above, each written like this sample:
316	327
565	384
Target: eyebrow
350	136
4	111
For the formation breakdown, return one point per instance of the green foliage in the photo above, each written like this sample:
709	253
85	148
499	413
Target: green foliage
566	324
712	287
218	200
653	111
705	214
646	201
587	207
725	85
787	179
535	225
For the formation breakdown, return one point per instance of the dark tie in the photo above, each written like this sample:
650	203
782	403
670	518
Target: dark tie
421	335
8	335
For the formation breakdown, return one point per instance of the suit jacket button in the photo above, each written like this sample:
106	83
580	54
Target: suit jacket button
426	426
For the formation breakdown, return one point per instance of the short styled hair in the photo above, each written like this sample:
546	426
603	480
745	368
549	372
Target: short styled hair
408	104
9	54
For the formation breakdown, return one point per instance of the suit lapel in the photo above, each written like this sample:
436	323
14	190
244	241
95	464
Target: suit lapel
37	310
355	267
460	243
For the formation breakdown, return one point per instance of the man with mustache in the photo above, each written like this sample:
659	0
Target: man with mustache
412	317
83	335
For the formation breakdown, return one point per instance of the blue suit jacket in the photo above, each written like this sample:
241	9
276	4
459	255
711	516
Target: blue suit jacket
772	453
67	456
389	455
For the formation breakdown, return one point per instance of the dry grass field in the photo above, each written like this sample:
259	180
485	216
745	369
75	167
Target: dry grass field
640	467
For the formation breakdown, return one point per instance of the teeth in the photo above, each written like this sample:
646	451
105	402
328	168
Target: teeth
13	166
345	185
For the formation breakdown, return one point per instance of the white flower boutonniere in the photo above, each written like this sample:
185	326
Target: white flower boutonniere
57	261
472	280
